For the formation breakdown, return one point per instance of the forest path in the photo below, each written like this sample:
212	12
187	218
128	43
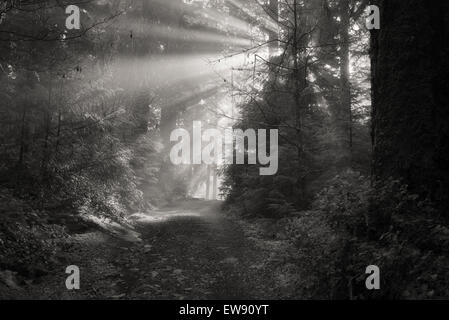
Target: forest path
190	251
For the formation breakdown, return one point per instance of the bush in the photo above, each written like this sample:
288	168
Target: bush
354	225
27	240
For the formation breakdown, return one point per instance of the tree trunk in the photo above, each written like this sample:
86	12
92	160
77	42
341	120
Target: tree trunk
273	35
47	124
208	183
22	136
214	183
410	68
344	118
300	83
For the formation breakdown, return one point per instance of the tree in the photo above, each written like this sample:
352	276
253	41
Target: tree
344	119
307	95
410	96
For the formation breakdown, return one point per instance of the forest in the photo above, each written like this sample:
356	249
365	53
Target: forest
353	103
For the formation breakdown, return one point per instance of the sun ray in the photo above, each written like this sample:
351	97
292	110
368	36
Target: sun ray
167	32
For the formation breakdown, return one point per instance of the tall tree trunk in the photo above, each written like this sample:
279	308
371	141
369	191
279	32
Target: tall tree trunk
214	182
208	183
273	35
410	68
22	136
344	119
58	131
45	152
47	123
300	82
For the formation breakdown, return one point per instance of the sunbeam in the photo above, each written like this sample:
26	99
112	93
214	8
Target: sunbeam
167	32
261	16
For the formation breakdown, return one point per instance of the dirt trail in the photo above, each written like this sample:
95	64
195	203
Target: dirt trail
188	251
193	251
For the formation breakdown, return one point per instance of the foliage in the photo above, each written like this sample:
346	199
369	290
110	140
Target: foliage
353	225
300	96
28	242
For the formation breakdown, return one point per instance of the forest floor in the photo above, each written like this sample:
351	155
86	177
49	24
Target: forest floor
190	250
